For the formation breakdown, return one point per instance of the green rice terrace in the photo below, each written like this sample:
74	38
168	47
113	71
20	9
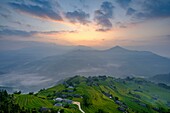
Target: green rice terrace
100	94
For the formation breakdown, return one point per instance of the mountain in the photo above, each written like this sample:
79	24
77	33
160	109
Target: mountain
116	61
161	78
98	94
117	49
8	89
12	63
11	59
81	47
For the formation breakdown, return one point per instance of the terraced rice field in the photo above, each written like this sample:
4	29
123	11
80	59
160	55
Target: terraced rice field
31	101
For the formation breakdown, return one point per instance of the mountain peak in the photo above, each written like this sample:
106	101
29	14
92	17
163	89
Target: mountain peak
117	48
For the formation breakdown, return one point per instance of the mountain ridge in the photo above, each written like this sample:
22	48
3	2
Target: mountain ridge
97	57
161	78
111	62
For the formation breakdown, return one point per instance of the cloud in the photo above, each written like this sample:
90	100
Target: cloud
167	38
123	3
4	16
3	27
8	32
57	32
157	8
130	11
140	15
22	24
102	30
24	80
41	9
103	15
11	32
4	11
44	3
121	25
78	16
17	22
154	9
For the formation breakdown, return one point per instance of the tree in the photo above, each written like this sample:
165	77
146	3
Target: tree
31	93
86	101
62	111
7	104
66	106
100	111
116	98
17	92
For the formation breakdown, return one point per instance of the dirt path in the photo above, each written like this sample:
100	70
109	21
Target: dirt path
78	103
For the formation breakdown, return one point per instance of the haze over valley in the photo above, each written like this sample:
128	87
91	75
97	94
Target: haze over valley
32	69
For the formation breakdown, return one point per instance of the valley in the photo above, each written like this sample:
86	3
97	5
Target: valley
48	70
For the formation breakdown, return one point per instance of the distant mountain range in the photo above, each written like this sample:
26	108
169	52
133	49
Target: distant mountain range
47	67
116	61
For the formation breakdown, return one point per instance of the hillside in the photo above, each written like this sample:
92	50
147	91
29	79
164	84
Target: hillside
100	95
161	78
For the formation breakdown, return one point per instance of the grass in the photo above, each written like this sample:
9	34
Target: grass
31	101
116	87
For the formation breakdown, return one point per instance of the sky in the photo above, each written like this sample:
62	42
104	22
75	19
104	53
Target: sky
135	24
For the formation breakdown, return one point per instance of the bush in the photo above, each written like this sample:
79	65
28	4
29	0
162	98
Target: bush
100	111
17	92
31	93
86	101
116	98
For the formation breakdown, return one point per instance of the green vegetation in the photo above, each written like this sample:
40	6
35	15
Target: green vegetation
31	101
97	95
7	104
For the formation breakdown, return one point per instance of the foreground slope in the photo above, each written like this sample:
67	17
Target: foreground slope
101	95
92	95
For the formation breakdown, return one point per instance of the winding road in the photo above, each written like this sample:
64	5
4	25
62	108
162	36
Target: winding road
78	103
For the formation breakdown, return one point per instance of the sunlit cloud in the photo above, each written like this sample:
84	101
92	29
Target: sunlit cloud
101	24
